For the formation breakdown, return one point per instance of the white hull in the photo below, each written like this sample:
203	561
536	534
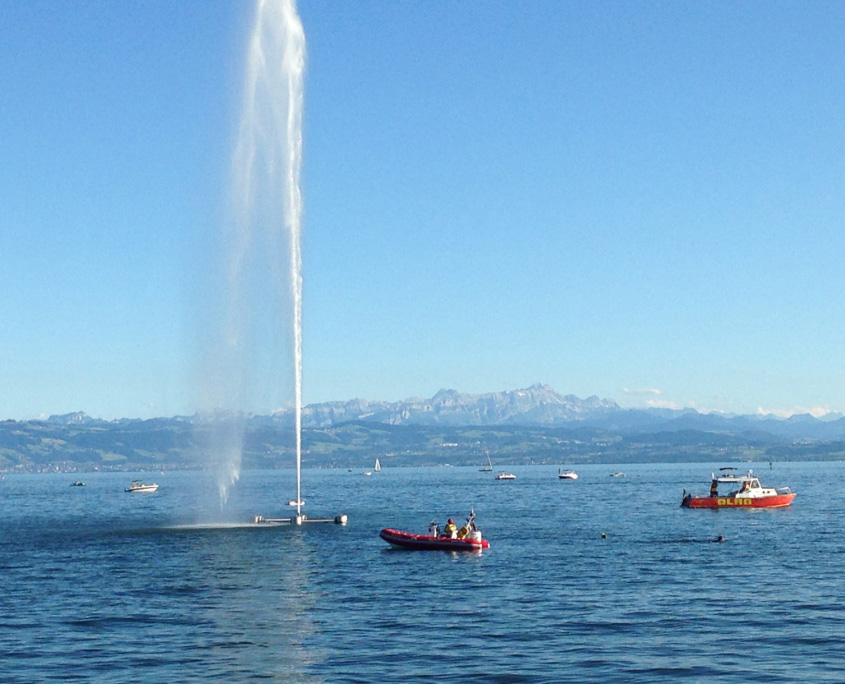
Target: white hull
138	487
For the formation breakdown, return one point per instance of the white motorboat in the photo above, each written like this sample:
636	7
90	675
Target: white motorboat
138	486
505	476
567	475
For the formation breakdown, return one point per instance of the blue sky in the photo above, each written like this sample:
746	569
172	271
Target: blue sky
642	201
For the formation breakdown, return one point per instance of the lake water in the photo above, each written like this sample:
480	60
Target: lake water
100	585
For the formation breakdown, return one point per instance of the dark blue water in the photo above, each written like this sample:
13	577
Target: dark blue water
99	585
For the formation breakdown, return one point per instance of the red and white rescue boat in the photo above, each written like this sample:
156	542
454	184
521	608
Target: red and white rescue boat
468	538
745	492
424	542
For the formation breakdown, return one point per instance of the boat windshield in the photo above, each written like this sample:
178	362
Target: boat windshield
731	486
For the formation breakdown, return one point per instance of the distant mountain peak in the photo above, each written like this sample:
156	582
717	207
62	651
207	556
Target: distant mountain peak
538	404
75	418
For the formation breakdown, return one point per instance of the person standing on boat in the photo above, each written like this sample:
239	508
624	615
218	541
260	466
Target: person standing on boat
433	529
714	489
451	530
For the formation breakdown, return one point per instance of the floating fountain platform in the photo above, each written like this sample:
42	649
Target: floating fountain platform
341	519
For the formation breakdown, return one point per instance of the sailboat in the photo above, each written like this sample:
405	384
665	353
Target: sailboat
377	466
489	467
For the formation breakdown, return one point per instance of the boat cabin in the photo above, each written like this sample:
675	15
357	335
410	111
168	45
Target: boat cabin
730	483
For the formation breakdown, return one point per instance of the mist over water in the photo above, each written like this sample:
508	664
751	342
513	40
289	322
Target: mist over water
260	345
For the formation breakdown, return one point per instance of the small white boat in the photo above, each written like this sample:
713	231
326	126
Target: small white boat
505	476
567	474
366	472
138	486
617	474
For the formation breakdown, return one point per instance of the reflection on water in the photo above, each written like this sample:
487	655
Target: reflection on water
264	601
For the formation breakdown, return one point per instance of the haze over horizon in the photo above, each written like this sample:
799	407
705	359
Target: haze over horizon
637	202
436	397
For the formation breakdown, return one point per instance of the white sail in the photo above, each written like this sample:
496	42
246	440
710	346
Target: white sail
377	466
489	467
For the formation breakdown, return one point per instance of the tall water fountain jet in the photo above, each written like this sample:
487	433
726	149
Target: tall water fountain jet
266	209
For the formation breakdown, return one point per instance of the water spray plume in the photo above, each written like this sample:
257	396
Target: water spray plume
266	209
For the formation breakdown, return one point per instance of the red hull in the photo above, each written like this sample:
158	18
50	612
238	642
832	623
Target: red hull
778	501
422	542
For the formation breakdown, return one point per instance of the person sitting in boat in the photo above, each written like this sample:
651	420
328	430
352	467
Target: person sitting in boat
466	530
433	529
745	487
714	489
473	532
451	530
468	527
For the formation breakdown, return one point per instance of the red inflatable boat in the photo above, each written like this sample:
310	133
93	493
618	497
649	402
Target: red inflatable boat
424	542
